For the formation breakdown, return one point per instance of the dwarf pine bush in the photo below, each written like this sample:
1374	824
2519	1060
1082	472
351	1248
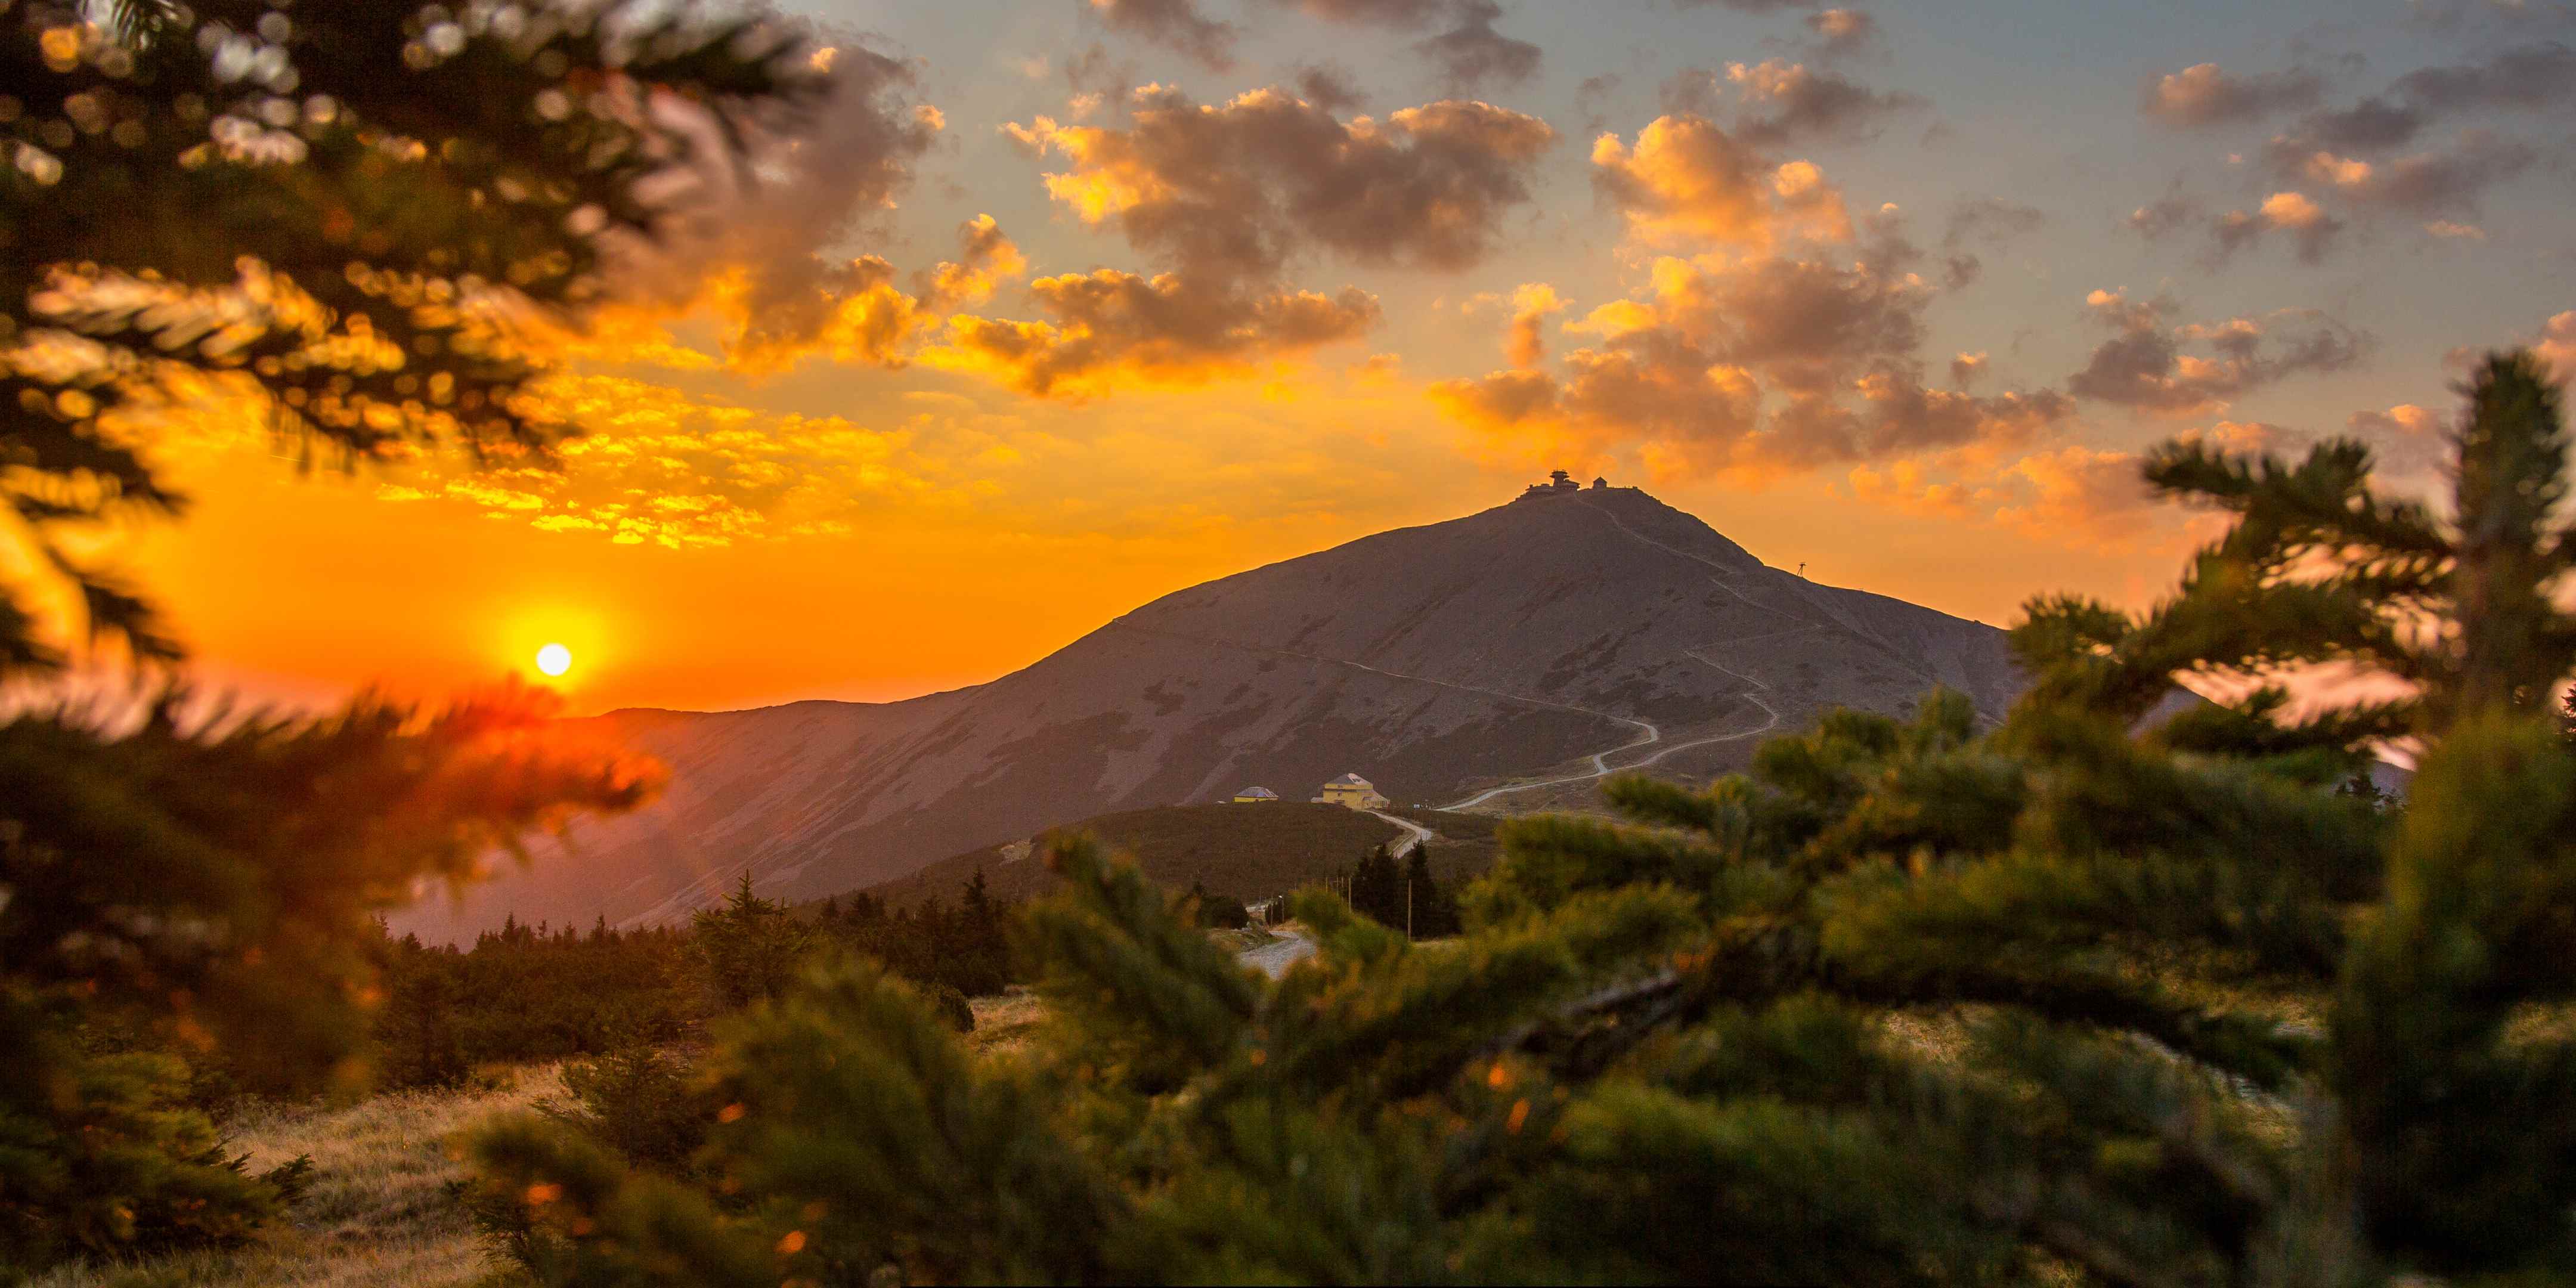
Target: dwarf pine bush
2092	997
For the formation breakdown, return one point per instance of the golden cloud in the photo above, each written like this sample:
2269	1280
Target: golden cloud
1231	192
1113	330
1686	180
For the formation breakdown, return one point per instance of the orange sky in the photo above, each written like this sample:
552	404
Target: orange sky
1065	310
300	586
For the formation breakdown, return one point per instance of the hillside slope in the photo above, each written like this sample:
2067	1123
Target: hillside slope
1555	637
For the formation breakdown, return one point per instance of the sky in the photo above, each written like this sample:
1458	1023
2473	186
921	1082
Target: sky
1063	306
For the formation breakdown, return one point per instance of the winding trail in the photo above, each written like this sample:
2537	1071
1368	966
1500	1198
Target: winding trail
1414	833
1601	768
1273	959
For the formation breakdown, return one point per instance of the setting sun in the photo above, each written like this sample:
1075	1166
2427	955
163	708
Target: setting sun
554	659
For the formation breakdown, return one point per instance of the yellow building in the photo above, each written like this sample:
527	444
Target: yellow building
1350	791
1254	796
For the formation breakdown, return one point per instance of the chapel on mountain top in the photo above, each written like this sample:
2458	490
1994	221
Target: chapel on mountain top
1558	483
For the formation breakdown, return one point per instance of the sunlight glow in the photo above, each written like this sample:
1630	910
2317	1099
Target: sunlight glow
554	659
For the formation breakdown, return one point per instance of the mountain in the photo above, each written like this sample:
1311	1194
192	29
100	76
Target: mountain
1499	660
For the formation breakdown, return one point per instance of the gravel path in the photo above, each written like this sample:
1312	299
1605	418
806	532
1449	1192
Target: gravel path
1275	958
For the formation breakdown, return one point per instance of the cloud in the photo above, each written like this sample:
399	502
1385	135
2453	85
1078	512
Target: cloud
1176	25
1470	55
2071	496
1232	192
1990	222
2537	77
751	246
2366	126
2203	94
2557	346
1532	302
1968	368
1746	6
2533	77
2067	496
2146	366
2295	214
1754	365
1228	196
667	468
1112	329
2081	496
854	311
2405	439
2350	156
1687	180
1843	31
2448	179
1782	102
1329	88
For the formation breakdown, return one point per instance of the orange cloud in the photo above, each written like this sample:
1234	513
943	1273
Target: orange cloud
1532	302
2144	365
2072	497
1114	329
1227	195
1680	377
2557	346
746	240
1231	192
1685	180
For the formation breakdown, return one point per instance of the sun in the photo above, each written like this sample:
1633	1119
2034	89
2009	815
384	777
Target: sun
554	659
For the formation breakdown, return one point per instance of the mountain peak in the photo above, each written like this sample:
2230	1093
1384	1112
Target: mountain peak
1504	659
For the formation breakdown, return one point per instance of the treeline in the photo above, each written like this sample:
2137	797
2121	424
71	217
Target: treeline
540	992
1404	896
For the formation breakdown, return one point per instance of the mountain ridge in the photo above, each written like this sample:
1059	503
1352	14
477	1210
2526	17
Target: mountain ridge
1502	658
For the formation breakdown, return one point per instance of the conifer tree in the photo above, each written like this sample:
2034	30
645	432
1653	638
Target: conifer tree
339	217
173	895
750	948
2097	997
1427	910
1377	888
336	222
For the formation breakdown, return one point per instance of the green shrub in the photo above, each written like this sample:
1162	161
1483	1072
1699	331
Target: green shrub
951	1007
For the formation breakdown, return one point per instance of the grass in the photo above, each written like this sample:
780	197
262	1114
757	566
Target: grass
379	1214
1008	1024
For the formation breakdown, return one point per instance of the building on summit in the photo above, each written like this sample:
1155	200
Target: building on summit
1254	796
1558	484
1350	791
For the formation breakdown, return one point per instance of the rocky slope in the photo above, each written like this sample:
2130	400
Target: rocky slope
1461	663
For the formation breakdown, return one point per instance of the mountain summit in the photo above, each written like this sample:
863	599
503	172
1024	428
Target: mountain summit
1497	660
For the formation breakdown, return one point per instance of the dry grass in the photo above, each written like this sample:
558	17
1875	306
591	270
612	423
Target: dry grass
1008	1024
378	1215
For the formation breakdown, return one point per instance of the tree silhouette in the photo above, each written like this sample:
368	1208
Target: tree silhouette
352	223
340	219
